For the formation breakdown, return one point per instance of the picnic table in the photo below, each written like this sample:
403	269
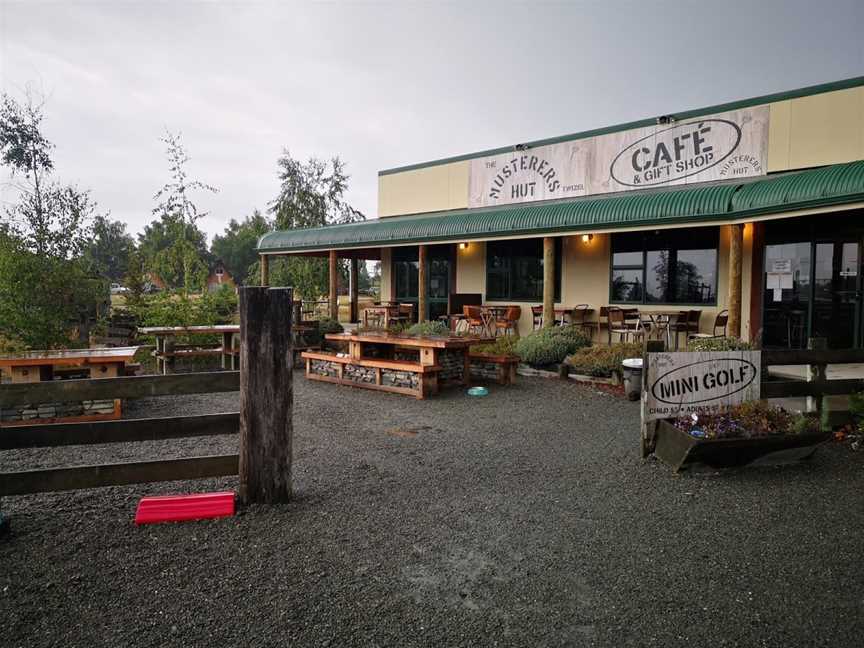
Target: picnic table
166	350
418	366
39	366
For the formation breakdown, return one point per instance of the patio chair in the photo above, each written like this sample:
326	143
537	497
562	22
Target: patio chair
396	315
536	317
618	325
474	317
687	322
509	323
720	323
633	322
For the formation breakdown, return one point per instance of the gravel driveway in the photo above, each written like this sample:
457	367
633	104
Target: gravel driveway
522	519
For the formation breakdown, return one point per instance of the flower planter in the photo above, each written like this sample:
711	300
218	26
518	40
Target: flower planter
681	450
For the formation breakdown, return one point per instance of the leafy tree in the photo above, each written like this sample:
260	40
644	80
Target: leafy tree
172	245
109	250
46	288
311	194
236	248
174	198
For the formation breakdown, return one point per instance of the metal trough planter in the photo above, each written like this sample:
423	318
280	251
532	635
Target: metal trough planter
682	451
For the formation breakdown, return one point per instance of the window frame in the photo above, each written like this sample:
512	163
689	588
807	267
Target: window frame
509	270
646	244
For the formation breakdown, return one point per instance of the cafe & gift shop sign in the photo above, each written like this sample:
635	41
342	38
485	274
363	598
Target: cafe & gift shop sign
679	384
724	146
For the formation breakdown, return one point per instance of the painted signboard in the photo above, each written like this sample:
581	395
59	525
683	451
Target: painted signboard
678	384
725	146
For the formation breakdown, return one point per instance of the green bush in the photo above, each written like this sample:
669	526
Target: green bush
551	345
601	361
328	325
503	345
718	344
429	329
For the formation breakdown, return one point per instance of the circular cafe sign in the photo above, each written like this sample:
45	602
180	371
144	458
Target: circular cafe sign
678	152
704	381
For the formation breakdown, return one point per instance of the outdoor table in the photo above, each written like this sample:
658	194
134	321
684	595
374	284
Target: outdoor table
38	366
372	362
663	320
164	354
489	315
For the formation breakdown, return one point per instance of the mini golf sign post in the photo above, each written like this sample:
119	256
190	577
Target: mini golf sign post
680	384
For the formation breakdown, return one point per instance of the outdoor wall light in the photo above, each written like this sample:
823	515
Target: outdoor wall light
463	246
587	238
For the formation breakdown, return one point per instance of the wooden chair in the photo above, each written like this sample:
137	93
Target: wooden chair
687	322
720	323
509	323
618	325
633	323
536	317
474	317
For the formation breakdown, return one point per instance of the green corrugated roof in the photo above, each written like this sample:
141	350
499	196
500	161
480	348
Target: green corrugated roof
825	186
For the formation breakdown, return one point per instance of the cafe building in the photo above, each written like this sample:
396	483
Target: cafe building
754	207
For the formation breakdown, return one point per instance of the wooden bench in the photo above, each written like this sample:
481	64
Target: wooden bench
370	373
504	371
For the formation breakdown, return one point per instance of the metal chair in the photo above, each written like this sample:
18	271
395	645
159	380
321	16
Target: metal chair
474	317
618	324
720	323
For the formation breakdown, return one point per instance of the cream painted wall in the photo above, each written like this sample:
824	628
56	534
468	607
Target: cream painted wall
817	130
435	188
386	273
805	132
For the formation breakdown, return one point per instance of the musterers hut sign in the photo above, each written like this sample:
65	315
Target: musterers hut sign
724	146
678	384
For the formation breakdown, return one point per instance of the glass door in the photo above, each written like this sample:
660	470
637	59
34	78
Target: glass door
438	281
836	294
813	289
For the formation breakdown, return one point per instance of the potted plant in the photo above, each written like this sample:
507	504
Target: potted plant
745	434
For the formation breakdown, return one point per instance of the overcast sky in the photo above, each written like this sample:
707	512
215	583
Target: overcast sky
383	84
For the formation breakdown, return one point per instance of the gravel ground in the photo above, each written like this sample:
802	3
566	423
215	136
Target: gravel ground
522	519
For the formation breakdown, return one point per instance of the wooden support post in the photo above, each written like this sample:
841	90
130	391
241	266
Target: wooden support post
334	287
354	276
817	373
736	244
421	281
266	395
548	281
265	269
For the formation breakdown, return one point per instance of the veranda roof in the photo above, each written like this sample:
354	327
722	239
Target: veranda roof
822	187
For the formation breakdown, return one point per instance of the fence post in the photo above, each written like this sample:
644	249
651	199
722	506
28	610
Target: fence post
817	373
266	395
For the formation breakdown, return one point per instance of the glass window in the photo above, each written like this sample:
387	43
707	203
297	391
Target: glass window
665	267
514	270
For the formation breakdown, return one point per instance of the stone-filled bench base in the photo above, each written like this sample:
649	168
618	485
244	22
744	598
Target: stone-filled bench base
501	369
66	412
395	376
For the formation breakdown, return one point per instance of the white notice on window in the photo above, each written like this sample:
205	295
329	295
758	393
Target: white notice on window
786	281
778	295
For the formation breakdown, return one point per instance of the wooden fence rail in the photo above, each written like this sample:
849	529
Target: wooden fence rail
118	474
130	387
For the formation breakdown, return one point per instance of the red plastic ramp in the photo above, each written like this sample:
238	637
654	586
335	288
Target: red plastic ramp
177	508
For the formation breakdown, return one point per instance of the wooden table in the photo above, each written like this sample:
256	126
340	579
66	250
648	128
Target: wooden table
165	352
38	366
372	362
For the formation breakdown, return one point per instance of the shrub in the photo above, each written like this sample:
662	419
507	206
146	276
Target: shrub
550	345
718	344
601	361
328	325
429	329
504	345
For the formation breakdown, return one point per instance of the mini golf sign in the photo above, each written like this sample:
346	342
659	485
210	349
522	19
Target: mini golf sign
678	384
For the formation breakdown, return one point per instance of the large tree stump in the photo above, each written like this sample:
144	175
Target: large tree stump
266	395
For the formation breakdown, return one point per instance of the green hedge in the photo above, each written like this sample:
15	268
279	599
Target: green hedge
601	361
429	329
551	345
718	344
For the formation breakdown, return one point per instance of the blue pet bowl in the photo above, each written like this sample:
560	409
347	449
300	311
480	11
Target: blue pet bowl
478	391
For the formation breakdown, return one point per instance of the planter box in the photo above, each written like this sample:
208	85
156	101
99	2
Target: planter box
500	368
681	450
